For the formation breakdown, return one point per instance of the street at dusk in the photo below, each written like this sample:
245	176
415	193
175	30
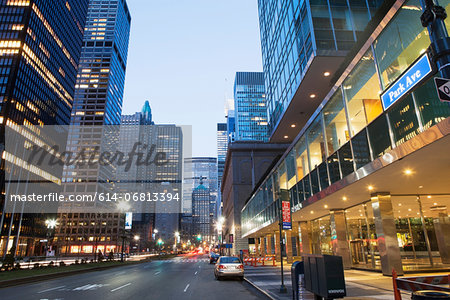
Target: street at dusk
237	149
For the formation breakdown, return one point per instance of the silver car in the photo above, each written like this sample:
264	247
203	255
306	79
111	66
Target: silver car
229	266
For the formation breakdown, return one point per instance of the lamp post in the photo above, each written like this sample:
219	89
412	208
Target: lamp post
51	224
177	234
137	238
123	207
220	224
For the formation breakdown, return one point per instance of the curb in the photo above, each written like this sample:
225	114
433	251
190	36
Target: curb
33	279
259	289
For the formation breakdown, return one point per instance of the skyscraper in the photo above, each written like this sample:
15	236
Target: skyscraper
98	102
40	46
222	146
199	171
250	107
315	37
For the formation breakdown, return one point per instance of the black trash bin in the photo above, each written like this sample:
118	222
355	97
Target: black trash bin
297	269
430	295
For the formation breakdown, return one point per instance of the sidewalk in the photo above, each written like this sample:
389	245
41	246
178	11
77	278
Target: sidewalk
360	285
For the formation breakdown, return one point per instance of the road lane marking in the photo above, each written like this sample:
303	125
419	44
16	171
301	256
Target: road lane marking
52	289
196	272
157	272
185	289
121	287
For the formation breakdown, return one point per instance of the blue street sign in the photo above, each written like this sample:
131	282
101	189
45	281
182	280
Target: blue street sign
410	78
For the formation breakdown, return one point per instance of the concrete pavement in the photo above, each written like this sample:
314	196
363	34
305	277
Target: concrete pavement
179	278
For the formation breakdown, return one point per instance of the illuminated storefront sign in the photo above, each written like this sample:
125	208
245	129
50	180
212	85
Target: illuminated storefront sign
286	209
128	220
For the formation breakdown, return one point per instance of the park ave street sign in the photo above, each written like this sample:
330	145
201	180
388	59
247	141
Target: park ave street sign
443	88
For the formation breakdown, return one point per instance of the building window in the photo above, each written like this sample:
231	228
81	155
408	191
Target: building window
361	149
302	158
379	136
362	91
346	160
404	121
316	143
333	168
432	110
335	123
401	42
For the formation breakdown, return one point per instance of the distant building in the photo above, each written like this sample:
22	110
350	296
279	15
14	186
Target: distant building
246	164
200	171
202	217
250	107
222	146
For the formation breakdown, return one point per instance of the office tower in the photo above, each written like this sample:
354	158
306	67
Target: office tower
196	170
98	102
303	43
250	107
40	46
201	214
222	146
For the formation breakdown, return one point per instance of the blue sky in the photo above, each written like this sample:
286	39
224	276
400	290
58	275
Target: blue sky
183	57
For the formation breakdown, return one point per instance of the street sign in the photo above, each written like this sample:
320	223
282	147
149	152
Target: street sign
410	78
443	88
286	210
128	220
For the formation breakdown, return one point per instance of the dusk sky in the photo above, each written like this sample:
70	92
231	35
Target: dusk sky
183	58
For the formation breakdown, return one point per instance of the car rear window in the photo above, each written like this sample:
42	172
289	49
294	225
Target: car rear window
230	260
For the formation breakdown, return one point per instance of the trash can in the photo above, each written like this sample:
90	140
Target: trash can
297	269
429	295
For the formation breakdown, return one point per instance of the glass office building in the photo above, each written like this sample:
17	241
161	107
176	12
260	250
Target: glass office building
299	35
97	102
222	147
250	107
40	46
365	177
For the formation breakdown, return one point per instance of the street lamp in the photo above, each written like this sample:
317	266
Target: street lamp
123	207
51	224
137	238
177	234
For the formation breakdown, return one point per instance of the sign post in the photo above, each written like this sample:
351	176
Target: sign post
443	88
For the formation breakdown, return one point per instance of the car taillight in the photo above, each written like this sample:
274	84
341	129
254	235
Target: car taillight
222	267
240	267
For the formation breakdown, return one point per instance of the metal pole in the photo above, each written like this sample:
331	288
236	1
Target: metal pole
424	228
283	289
433	18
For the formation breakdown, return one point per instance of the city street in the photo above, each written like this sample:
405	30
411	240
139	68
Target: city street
183	277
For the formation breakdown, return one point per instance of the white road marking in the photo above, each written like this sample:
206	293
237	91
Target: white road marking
185	289
120	273
52	289
89	287
157	272
121	287
196	272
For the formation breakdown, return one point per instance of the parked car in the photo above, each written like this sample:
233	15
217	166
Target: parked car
213	257
229	266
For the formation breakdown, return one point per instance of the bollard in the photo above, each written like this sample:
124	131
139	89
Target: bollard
397	294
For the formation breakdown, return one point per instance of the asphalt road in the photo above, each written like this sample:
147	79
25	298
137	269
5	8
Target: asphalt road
185	277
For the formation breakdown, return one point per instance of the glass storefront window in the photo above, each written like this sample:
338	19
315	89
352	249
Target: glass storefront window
346	160
361	149
333	167
302	158
335	123
291	169
316	143
323	176
300	191
321	236
379	136
315	181
401	42
282	177
432	110
362	237
362	92
404	121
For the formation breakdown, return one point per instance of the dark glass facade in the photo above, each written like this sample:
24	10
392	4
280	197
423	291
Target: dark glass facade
293	32
40	46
